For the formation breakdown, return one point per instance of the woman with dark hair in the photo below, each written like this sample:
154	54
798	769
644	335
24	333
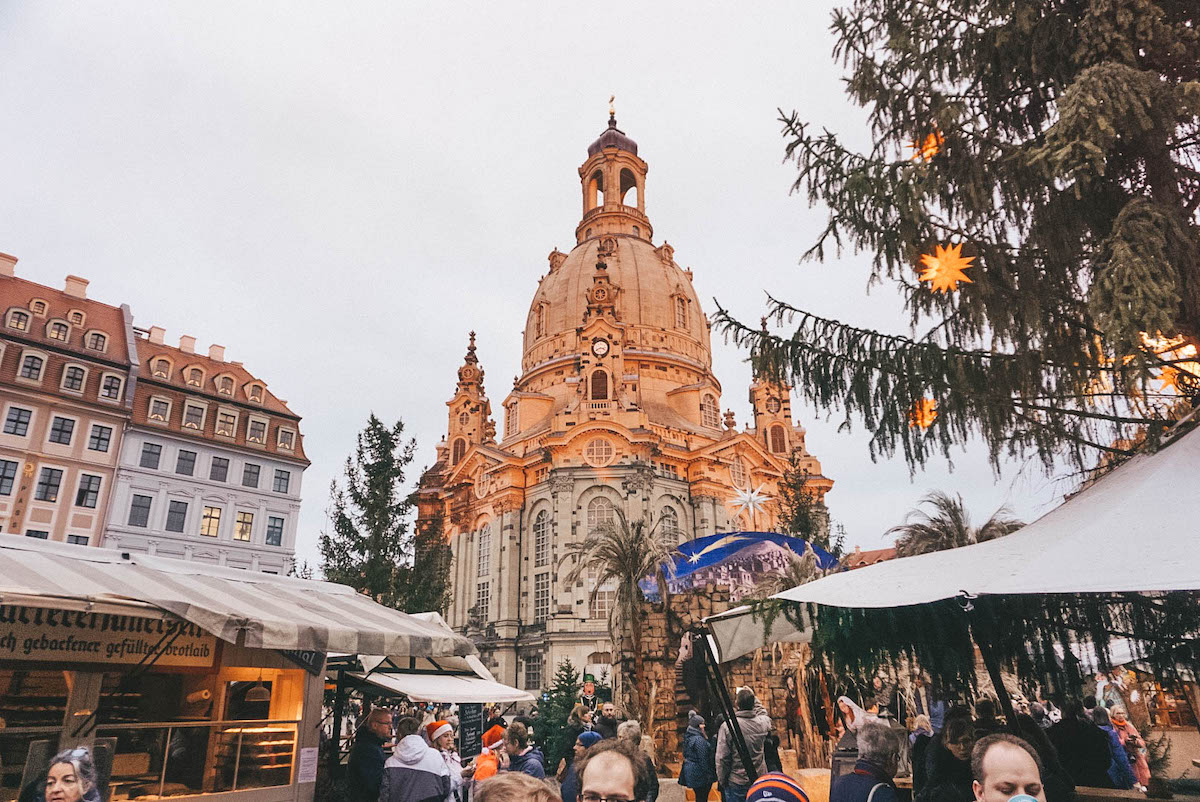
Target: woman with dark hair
72	777
1055	779
578	720
948	761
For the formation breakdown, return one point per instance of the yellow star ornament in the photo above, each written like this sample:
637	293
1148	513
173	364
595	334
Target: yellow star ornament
923	413
924	151
944	268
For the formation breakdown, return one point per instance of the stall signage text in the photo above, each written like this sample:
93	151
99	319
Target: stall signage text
71	636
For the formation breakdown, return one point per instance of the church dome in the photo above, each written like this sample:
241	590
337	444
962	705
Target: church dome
655	301
613	137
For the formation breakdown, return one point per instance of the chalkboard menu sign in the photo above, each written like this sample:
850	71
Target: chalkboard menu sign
470	730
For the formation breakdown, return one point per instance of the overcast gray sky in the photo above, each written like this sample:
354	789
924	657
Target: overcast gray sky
339	192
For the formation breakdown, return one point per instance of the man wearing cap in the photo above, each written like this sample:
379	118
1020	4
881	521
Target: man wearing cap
775	787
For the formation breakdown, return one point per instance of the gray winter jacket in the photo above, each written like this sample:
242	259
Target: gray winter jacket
754	724
415	773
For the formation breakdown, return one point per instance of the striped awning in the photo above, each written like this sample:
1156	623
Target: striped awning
244	607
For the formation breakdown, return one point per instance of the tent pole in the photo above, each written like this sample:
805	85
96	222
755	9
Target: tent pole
717	682
982	633
339	706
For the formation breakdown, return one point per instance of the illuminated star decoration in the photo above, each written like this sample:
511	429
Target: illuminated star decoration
728	540
923	413
924	151
749	501
944	268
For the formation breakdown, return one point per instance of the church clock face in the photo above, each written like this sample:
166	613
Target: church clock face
600	347
773	405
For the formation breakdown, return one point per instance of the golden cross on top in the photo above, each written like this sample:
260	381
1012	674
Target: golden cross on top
612	109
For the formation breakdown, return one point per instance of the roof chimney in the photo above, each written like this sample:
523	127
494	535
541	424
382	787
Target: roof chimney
76	287
8	265
216	352
187	344
156	334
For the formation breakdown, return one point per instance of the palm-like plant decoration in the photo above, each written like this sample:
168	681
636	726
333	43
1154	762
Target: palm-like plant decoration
625	552
948	527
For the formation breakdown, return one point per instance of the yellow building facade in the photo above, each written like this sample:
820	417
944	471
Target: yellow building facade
617	408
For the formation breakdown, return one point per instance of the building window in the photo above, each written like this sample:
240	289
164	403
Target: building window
151	453
255	393
274	531
600	513
38	307
243	526
226	424
161	368
185	463
176	516
464	419
61	430
72	379
737	472
533	672
110	387
282	480
256	432
541	539
139	511
160	410
668	522
225	385
97	341
18	320
219	470
483	598
210	524
31	367
681	321
540	325
599	452
541	597
286	439
8	476
512	421
76	317
17	421
195	377
599	385
40	534
456	453
250	474
88	493
778	444
57	330
709	414
77	540
193	416
100	437
483	563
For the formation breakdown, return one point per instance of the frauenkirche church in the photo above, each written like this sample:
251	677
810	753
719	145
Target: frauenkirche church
617	408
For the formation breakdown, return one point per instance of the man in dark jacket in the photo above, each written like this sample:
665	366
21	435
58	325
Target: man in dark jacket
522	756
1083	749
606	723
365	771
871	780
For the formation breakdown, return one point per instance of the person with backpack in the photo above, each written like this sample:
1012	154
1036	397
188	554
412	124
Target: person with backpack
878	759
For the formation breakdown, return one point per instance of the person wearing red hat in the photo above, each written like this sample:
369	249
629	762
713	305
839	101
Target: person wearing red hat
441	738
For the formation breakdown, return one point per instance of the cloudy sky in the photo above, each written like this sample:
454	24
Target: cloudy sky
339	192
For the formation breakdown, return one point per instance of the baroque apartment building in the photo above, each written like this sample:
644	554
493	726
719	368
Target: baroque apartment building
112	437
211	464
67	371
616	409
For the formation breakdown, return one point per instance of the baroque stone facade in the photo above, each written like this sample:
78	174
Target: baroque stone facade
617	408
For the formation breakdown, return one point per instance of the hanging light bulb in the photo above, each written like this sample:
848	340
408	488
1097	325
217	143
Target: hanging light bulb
260	692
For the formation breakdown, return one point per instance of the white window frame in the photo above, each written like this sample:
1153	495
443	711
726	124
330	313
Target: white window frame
279	438
154	374
62	380
28	352
223	410
483	557
11	313
50	325
262	392
33	416
150	410
45	307
194	402
50	430
87	340
220	377
82	317
266	422
187	379
120	387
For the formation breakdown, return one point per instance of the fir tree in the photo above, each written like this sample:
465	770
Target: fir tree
802	514
552	715
430	588
1039	162
370	546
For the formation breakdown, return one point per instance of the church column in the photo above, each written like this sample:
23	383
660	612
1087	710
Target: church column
562	505
508	576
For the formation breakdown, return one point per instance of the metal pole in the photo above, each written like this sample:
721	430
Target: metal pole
717	683
339	705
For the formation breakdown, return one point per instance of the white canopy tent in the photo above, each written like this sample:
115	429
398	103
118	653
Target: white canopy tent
1133	530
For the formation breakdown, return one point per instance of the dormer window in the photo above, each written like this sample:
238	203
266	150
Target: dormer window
161	368
193	416
31	367
225	385
18	320
160	410
255	393
286	440
226	423
72	378
97	341
195	377
38	307
57	330
110	387
256	431
709	414
76	317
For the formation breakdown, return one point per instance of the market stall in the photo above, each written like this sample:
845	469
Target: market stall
183	679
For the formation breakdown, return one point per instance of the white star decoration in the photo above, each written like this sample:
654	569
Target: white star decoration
750	501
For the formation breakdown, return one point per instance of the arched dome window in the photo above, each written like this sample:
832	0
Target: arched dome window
737	472
541	539
599	388
595	190
457	452
539	327
709	414
681	321
668	521
600	512
629	188
484	562
778	440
